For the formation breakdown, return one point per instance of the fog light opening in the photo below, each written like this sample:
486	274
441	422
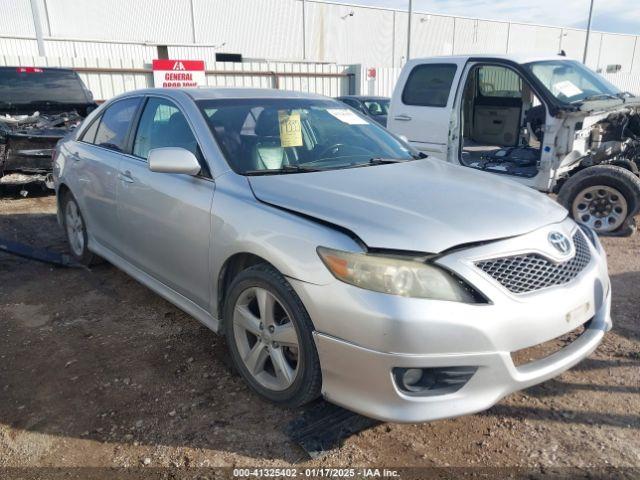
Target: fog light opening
432	381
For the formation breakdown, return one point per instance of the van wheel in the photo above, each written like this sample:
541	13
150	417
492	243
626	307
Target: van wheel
269	334
604	197
76	231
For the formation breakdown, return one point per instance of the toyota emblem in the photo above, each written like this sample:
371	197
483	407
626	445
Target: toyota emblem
560	242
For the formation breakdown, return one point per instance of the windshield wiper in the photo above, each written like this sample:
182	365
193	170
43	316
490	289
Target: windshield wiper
385	161
283	170
599	96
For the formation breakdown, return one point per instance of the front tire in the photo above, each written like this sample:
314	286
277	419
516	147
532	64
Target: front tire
604	197
269	334
76	231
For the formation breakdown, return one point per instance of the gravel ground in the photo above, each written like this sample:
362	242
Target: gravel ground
96	370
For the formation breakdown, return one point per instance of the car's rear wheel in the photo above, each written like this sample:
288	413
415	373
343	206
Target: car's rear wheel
76	231
604	197
269	334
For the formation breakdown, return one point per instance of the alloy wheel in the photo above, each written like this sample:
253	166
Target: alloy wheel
75	228
266	339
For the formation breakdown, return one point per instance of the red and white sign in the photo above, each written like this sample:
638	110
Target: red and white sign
178	73
29	70
371	73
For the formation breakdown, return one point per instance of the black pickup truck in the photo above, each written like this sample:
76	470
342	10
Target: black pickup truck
38	106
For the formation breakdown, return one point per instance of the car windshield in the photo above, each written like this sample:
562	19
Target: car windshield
24	85
571	82
270	136
377	106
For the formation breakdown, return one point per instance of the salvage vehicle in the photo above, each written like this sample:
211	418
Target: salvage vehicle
376	108
334	258
549	123
38	106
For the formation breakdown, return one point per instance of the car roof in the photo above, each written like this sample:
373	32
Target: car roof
364	97
514	57
221	93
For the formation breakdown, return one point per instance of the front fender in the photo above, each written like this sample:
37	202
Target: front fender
288	241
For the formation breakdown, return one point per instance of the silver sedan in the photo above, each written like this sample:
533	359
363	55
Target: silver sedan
336	260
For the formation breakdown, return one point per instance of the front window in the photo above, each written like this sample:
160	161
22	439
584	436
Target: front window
264	136
570	81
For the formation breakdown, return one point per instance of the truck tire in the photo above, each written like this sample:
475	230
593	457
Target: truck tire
626	164
604	197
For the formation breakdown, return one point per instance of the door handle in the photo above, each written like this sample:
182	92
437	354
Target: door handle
75	156
125	176
402	118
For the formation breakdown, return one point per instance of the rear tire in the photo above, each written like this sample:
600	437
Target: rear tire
604	197
269	334
76	231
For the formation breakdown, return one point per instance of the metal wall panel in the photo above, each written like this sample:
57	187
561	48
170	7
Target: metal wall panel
572	42
534	39
627	82
255	28
431	35
619	50
593	52
72	48
163	21
334	35
480	36
16	18
636	57
272	29
18	46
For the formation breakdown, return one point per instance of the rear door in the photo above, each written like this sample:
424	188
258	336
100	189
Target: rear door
166	217
422	103
94	162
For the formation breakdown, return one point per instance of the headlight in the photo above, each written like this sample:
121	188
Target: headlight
395	276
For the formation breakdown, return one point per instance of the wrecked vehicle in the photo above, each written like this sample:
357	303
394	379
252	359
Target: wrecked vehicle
548	123
38	106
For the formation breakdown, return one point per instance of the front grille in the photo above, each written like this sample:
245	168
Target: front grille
527	273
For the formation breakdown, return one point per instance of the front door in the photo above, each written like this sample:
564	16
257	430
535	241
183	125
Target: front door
166	216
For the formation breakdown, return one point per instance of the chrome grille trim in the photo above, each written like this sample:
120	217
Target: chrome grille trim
531	272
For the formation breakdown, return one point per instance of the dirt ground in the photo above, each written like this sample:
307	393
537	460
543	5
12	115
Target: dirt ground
96	370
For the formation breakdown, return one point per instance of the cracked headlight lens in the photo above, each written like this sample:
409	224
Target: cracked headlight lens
396	276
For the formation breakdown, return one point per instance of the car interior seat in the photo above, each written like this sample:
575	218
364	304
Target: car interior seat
268	152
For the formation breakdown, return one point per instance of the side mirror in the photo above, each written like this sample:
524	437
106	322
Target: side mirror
173	160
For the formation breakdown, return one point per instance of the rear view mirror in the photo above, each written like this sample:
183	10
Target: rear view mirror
173	160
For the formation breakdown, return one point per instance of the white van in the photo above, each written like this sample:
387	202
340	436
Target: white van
549	123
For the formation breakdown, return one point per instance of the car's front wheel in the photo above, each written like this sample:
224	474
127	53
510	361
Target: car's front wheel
269	334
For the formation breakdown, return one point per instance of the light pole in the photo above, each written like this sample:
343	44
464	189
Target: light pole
586	41
409	31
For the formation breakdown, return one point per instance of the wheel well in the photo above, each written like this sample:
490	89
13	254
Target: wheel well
62	191
230	270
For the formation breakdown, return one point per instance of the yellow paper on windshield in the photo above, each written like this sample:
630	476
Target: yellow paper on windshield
290	129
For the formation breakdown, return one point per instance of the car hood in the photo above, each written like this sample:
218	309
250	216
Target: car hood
422	205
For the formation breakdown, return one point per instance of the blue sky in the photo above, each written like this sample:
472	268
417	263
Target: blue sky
622	16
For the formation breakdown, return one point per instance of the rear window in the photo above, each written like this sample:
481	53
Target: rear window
429	85
33	85
115	123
